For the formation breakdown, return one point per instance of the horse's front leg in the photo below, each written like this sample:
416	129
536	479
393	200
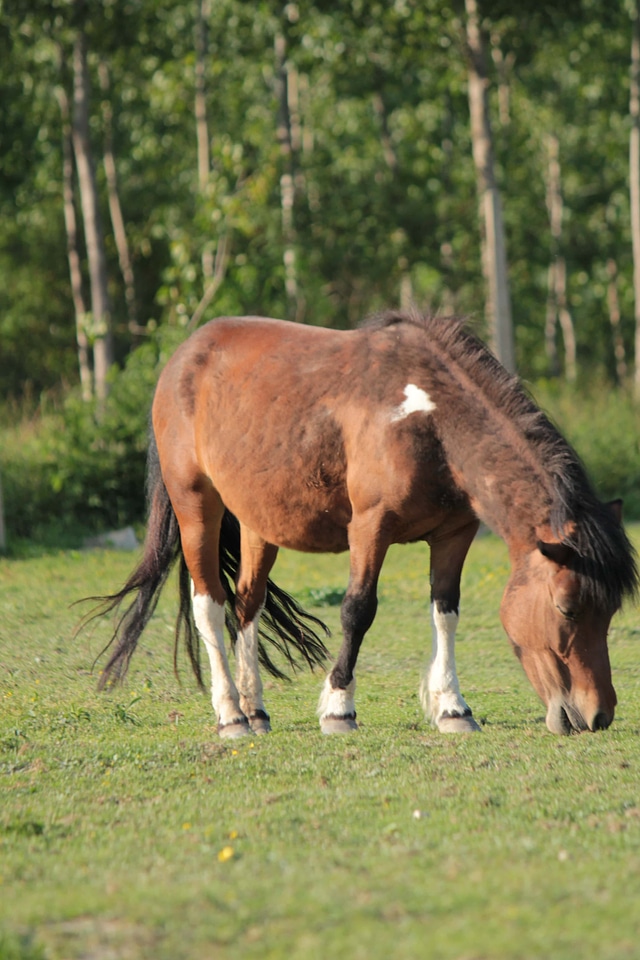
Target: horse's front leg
440	691
337	708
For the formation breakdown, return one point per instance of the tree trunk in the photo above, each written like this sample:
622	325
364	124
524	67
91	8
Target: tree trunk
202	127
566	322
73	257
287	184
494	259
551	321
614	318
504	66
3	536
215	282
634	181
115	209
557	309
306	129
388	152
101	321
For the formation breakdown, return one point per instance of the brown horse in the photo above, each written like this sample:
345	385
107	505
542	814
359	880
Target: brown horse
322	440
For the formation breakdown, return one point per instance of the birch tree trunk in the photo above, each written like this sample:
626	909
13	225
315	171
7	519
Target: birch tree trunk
566	322
115	208
613	302
494	258
202	126
388	152
634	181
551	321
557	309
73	256
213	268
3	535
287	183
94	239
504	66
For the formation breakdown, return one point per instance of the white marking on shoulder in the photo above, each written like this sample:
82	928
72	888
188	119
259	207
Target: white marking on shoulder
416	400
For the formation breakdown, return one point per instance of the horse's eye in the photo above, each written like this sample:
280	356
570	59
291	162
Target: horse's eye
569	613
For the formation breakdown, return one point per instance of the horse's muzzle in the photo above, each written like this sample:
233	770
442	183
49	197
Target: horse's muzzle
564	718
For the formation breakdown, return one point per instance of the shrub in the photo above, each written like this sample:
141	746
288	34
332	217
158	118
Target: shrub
73	472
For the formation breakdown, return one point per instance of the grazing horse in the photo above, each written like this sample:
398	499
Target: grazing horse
404	429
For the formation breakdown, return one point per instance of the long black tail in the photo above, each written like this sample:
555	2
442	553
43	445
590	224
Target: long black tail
283	624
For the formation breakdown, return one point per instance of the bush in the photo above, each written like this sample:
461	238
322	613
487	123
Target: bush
72	472
19	947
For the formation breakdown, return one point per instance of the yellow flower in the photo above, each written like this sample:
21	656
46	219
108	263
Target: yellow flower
186	826
225	854
233	834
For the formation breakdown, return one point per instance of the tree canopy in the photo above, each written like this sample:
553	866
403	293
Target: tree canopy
340	175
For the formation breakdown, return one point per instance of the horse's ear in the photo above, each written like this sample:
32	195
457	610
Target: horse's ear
615	508
559	553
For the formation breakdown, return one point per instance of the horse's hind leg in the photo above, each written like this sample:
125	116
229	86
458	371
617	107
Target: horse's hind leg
439	691
256	561
199	511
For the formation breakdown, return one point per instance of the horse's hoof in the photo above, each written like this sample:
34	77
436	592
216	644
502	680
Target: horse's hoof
457	724
233	730
260	723
330	725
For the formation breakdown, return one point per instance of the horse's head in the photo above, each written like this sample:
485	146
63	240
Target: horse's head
559	634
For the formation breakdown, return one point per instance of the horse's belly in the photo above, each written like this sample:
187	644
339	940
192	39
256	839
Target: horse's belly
291	515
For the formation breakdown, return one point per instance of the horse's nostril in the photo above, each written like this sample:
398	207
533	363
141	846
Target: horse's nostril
601	721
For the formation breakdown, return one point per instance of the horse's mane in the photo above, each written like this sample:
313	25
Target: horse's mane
603	554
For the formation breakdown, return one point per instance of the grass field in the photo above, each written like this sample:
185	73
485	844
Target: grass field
128	830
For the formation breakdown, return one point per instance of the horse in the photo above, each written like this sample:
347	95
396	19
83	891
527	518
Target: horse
268	433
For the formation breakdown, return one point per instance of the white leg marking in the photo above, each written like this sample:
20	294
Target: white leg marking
440	691
209	618
248	678
336	702
416	400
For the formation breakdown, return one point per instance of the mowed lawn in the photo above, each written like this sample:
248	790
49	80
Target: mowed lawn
129	830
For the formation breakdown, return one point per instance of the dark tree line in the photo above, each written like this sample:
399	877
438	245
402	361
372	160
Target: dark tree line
163	163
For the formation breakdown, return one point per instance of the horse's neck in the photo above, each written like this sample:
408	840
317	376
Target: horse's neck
510	497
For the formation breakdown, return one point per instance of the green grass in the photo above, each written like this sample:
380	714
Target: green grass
127	829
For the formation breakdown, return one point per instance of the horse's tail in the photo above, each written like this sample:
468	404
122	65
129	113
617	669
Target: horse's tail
284	624
161	549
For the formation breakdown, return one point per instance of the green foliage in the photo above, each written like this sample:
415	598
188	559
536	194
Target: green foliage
74	471
20	948
323	596
385	187
603	425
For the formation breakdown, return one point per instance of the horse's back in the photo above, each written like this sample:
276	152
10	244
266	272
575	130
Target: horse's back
245	395
300	427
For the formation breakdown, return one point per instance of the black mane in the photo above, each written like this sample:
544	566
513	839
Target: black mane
604	555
